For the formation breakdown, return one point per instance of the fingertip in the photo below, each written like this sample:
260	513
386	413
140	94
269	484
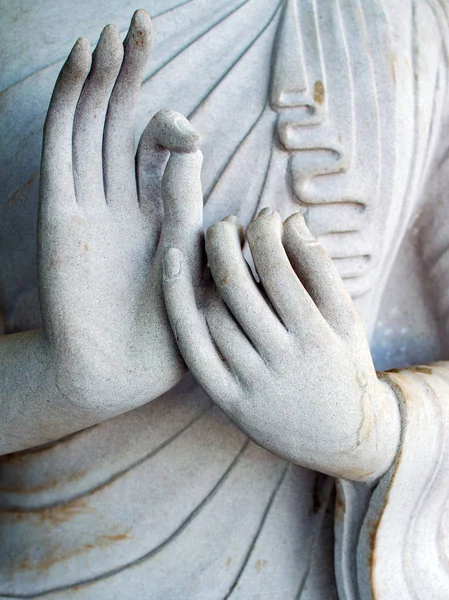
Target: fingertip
141	18
269	213
139	34
111	36
109	50
265	212
215	231
267	222
174	132
79	58
236	223
297	226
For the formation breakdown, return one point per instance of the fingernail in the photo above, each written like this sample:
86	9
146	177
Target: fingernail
302	229
183	124
266	212
172	263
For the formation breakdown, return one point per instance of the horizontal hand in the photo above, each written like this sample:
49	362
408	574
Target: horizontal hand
289	364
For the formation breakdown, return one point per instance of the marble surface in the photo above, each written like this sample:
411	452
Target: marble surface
335	109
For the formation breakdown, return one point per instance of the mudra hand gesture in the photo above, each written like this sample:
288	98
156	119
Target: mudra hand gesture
291	368
101	219
106	345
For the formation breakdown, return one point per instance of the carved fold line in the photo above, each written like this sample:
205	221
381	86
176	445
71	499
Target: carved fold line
265	180
48	65
170	60
259	529
403	222
238	59
347	54
152	552
437	114
301	588
233	155
376	99
111	479
201	35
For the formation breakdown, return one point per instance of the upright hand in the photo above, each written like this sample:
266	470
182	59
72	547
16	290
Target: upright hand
101	231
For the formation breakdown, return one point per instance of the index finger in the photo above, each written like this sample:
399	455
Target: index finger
56	170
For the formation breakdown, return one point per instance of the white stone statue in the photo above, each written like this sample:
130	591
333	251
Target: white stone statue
325	170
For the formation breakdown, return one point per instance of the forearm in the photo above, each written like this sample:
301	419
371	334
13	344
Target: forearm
32	409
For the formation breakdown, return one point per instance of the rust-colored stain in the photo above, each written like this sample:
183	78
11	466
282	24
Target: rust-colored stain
224	279
371	558
228	561
318	92
419	369
374	526
56	555
57	515
20	487
393	60
49	448
259	564
86	247
414	369
139	37
118	537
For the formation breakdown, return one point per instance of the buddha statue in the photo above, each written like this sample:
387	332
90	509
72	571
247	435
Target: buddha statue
172	429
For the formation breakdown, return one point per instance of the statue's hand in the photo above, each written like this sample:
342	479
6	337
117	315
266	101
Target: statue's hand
296	375
101	238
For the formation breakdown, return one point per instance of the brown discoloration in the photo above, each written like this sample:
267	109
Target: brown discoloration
56	515
373	526
56	555
371	558
318	92
419	369
393	60
414	369
118	537
139	37
86	247
21	487
45	449
228	561
259	564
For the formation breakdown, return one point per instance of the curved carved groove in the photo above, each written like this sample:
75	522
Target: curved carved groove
150	554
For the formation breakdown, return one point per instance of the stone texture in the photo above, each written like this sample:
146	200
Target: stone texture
333	109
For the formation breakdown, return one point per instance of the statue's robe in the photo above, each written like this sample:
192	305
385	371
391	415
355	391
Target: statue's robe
171	500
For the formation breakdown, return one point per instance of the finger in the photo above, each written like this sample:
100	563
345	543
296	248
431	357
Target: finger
239	290
183	209
190	329
287	294
56	172
90	117
167	132
320	277
238	352
119	150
